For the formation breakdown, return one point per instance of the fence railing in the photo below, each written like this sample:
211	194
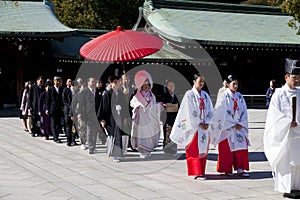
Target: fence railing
255	100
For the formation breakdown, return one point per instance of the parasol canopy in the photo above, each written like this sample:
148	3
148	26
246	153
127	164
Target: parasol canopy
121	45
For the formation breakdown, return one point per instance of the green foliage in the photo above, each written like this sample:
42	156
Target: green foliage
77	13
292	7
98	14
260	2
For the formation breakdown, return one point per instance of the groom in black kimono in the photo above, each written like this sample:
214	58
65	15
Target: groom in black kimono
111	114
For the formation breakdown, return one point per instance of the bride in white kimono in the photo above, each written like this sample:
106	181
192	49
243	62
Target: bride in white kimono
146	128
282	135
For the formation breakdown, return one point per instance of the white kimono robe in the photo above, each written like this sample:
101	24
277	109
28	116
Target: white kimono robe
189	117
281	142
146	128
225	117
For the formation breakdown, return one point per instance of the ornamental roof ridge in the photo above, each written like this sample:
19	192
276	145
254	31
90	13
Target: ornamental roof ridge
212	6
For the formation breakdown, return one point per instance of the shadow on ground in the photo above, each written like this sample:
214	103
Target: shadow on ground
9	112
159	155
253	175
253	157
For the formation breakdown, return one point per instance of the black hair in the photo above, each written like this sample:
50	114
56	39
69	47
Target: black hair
230	78
48	83
112	78
40	77
196	76
74	83
274	82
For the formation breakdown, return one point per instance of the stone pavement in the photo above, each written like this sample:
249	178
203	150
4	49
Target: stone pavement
33	168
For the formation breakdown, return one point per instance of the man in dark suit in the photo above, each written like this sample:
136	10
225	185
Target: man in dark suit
171	104
67	100
54	105
92	124
78	112
33	101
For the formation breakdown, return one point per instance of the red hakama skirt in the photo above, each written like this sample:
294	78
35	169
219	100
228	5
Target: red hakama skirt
228	159
195	165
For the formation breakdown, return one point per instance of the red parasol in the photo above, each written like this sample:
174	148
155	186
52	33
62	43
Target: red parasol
121	45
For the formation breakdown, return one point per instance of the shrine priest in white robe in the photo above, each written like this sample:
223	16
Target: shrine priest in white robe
282	133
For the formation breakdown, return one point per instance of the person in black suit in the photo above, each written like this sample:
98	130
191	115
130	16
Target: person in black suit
33	102
92	124
125	88
67	100
78	112
169	99
54	105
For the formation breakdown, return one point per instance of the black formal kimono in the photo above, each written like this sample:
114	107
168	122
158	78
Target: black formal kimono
98	97
113	109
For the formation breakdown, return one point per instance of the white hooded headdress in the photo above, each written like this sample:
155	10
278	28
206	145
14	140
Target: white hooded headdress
140	78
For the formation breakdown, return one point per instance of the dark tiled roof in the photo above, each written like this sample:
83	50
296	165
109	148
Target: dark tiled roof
70	46
221	28
30	19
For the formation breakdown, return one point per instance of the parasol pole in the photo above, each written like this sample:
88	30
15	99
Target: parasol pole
124	72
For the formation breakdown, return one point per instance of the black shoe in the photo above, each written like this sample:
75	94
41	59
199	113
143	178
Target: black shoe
103	141
69	144
134	150
32	134
91	151
75	143
58	141
292	195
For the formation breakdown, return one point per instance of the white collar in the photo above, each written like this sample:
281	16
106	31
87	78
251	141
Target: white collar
196	92
287	88
231	93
